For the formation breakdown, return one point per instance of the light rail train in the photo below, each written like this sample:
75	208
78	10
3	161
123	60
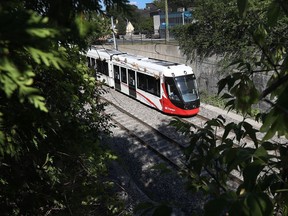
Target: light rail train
167	86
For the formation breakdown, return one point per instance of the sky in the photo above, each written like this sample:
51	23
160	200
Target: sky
140	3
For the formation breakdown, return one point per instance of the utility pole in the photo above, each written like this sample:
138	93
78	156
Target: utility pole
113	33
183	16
166	21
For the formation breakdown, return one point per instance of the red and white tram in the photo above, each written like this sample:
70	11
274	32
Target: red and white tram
166	86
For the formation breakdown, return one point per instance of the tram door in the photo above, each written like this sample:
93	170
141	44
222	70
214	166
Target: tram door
132	83
117	77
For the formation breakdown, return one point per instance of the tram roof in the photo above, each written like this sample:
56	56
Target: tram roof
141	63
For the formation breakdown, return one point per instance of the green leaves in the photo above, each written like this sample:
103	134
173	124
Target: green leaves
49	142
253	170
242	89
242	7
252	204
38	101
82	25
257	204
260	35
8	76
12	79
254	47
16	66
153	209
274	12
212	160
48	58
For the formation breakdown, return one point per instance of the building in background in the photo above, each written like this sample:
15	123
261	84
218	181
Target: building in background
129	29
174	18
179	17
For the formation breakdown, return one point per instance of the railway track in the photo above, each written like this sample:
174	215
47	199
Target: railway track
151	128
142	123
199	122
163	145
157	158
168	147
163	141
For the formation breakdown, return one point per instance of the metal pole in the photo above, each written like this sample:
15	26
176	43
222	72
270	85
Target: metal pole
183	19
113	33
166	21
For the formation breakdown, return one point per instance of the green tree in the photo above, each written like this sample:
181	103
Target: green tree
122	16
146	25
142	21
51	160
174	4
139	20
252	37
101	28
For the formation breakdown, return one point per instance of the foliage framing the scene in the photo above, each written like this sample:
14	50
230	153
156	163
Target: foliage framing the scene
252	36
51	161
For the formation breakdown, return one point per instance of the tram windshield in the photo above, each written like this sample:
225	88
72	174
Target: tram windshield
188	87
184	87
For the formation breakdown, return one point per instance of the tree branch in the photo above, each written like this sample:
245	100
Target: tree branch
274	86
277	105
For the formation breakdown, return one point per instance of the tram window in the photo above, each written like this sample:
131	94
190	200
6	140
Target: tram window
99	65
105	68
172	89
93	63
88	62
102	66
148	83
131	76
116	72
123	75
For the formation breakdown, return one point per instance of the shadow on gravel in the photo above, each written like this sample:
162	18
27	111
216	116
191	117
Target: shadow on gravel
141	182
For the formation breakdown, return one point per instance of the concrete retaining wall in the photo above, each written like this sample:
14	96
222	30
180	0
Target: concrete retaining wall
206	71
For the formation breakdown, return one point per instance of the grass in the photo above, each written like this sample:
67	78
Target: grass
213	100
217	101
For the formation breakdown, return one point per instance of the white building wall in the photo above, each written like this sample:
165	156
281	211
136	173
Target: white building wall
156	21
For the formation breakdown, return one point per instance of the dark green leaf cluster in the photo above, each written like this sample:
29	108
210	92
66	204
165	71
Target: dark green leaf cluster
251	36
153	209
174	4
140	19
215	24
240	179
51	121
